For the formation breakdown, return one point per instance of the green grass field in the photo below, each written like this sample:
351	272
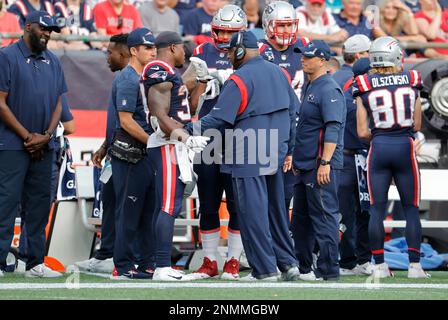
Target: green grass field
82	286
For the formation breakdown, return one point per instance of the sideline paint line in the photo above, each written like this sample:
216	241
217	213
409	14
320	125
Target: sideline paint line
215	285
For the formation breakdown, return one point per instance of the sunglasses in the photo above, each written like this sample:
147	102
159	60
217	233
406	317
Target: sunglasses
120	22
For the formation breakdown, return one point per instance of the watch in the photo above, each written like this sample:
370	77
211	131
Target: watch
324	162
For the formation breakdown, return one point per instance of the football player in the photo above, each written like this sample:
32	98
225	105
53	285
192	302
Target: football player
212	180
388	98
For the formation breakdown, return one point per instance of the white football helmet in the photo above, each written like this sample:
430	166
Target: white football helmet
229	18
386	52
280	14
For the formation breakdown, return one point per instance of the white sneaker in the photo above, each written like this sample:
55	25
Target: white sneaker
251	278
416	271
96	266
381	271
169	274
21	267
310	276
42	271
292	274
347	272
363	269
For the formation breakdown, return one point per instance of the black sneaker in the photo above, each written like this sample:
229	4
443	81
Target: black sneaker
131	275
148	271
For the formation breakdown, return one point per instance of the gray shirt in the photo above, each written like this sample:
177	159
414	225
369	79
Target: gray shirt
157	21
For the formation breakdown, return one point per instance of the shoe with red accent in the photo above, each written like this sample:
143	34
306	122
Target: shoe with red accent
382	271
209	269
231	270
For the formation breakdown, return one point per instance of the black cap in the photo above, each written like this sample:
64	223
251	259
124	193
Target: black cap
167	38
141	36
246	38
362	66
315	48
44	20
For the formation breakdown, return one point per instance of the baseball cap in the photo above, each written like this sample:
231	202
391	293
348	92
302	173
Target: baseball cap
315	48
357	43
167	38
141	36
362	66
317	1
44	20
248	39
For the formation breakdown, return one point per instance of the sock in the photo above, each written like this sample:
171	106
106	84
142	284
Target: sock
210	241
413	232
376	231
165	231
235	245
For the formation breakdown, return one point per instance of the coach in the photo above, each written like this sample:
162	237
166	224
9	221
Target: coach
31	85
258	98
316	160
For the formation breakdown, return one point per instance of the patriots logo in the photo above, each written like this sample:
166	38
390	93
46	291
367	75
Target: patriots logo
269	55
159	75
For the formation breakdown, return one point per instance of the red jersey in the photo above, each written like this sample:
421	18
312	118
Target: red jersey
106	18
9	23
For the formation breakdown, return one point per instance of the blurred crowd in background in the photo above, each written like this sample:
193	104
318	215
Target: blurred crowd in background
330	20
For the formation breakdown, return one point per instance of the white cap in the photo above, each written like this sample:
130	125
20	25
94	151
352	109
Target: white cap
357	43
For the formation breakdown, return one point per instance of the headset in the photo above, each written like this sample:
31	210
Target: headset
240	51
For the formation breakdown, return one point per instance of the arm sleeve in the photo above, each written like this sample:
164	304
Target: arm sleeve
332	130
66	114
224	112
293	114
5	73
127	93
332	105
62	84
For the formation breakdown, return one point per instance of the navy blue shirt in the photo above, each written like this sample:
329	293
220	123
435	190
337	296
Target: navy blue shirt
183	8
66	114
361	28
112	115
159	71
256	99
34	83
344	78
198	22
127	97
288	60
389	100
322	103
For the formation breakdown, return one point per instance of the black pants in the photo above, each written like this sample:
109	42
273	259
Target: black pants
30	181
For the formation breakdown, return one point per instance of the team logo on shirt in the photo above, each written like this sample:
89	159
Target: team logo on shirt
311	97
284	57
159	75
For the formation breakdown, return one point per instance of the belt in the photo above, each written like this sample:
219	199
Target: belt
349	152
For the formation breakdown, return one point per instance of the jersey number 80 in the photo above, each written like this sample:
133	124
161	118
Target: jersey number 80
391	108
